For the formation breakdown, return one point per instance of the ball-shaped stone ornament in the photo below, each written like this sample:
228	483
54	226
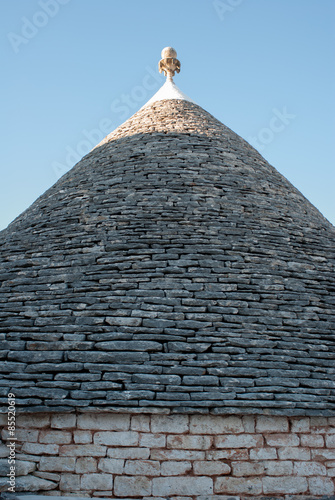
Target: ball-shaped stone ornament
169	52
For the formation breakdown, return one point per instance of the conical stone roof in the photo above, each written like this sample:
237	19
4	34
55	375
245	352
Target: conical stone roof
172	268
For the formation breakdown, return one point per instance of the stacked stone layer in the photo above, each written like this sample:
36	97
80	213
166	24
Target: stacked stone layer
172	267
155	456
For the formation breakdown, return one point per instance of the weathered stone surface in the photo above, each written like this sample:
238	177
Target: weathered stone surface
96	482
252	486
247	469
321	486
57	437
132	486
271	424
111	465
152	440
285	485
82	437
309	469
40	449
59	464
63	421
86	464
109	422
33	483
189	442
197	262
83	450
282	440
142	467
120	438
22	468
263	454
169	424
296	453
239	441
175	468
69	483
210	468
182	486
207	424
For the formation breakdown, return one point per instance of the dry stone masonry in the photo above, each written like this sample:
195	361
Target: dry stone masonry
167	322
172	267
159	456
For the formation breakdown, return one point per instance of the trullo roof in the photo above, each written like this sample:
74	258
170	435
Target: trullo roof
171	268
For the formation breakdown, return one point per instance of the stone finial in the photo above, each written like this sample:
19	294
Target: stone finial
169	62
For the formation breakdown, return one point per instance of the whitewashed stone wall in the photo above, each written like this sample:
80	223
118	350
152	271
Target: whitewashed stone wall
184	457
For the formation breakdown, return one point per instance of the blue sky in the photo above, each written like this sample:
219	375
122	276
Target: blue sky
73	70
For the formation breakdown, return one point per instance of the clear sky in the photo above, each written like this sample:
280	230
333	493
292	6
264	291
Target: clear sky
73	70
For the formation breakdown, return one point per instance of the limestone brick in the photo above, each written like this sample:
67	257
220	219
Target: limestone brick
22	435
69	483
23	468
111	465
83	450
140	423
82	437
284	485
173	424
3	451
239	441
321	486
177	455
182	486
142	467
249	424
120	438
330	441
263	454
85	465
40	449
131	453
49	476
33	421
132	486
208	424
104	422
210	468
312	440
278	468
56	437
271	424
236	485
96	481
296	453
300	424
63	421
319	424
175	468
229	454
247	469
282	440
323	454
309	469
31	484
189	442
152	440
59	464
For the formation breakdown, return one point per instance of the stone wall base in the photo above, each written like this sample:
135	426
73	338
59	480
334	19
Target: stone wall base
174	457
